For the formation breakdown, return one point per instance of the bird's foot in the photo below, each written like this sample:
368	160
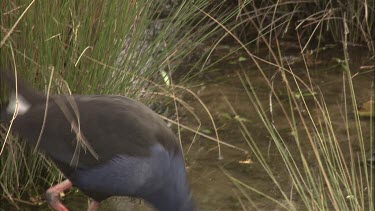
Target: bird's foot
53	195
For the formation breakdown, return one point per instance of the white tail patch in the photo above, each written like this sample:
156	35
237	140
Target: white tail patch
23	104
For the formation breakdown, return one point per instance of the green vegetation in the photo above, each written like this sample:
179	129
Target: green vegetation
116	47
336	176
327	170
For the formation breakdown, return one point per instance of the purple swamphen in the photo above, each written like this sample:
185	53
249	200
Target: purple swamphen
104	145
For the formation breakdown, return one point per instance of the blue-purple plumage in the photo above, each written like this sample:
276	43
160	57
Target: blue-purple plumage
106	145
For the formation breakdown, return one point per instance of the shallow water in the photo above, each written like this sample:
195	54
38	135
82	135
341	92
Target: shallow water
211	186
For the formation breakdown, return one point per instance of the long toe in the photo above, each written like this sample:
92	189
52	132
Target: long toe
53	195
53	200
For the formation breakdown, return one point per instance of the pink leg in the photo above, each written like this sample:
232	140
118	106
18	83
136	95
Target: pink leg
93	206
53	195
